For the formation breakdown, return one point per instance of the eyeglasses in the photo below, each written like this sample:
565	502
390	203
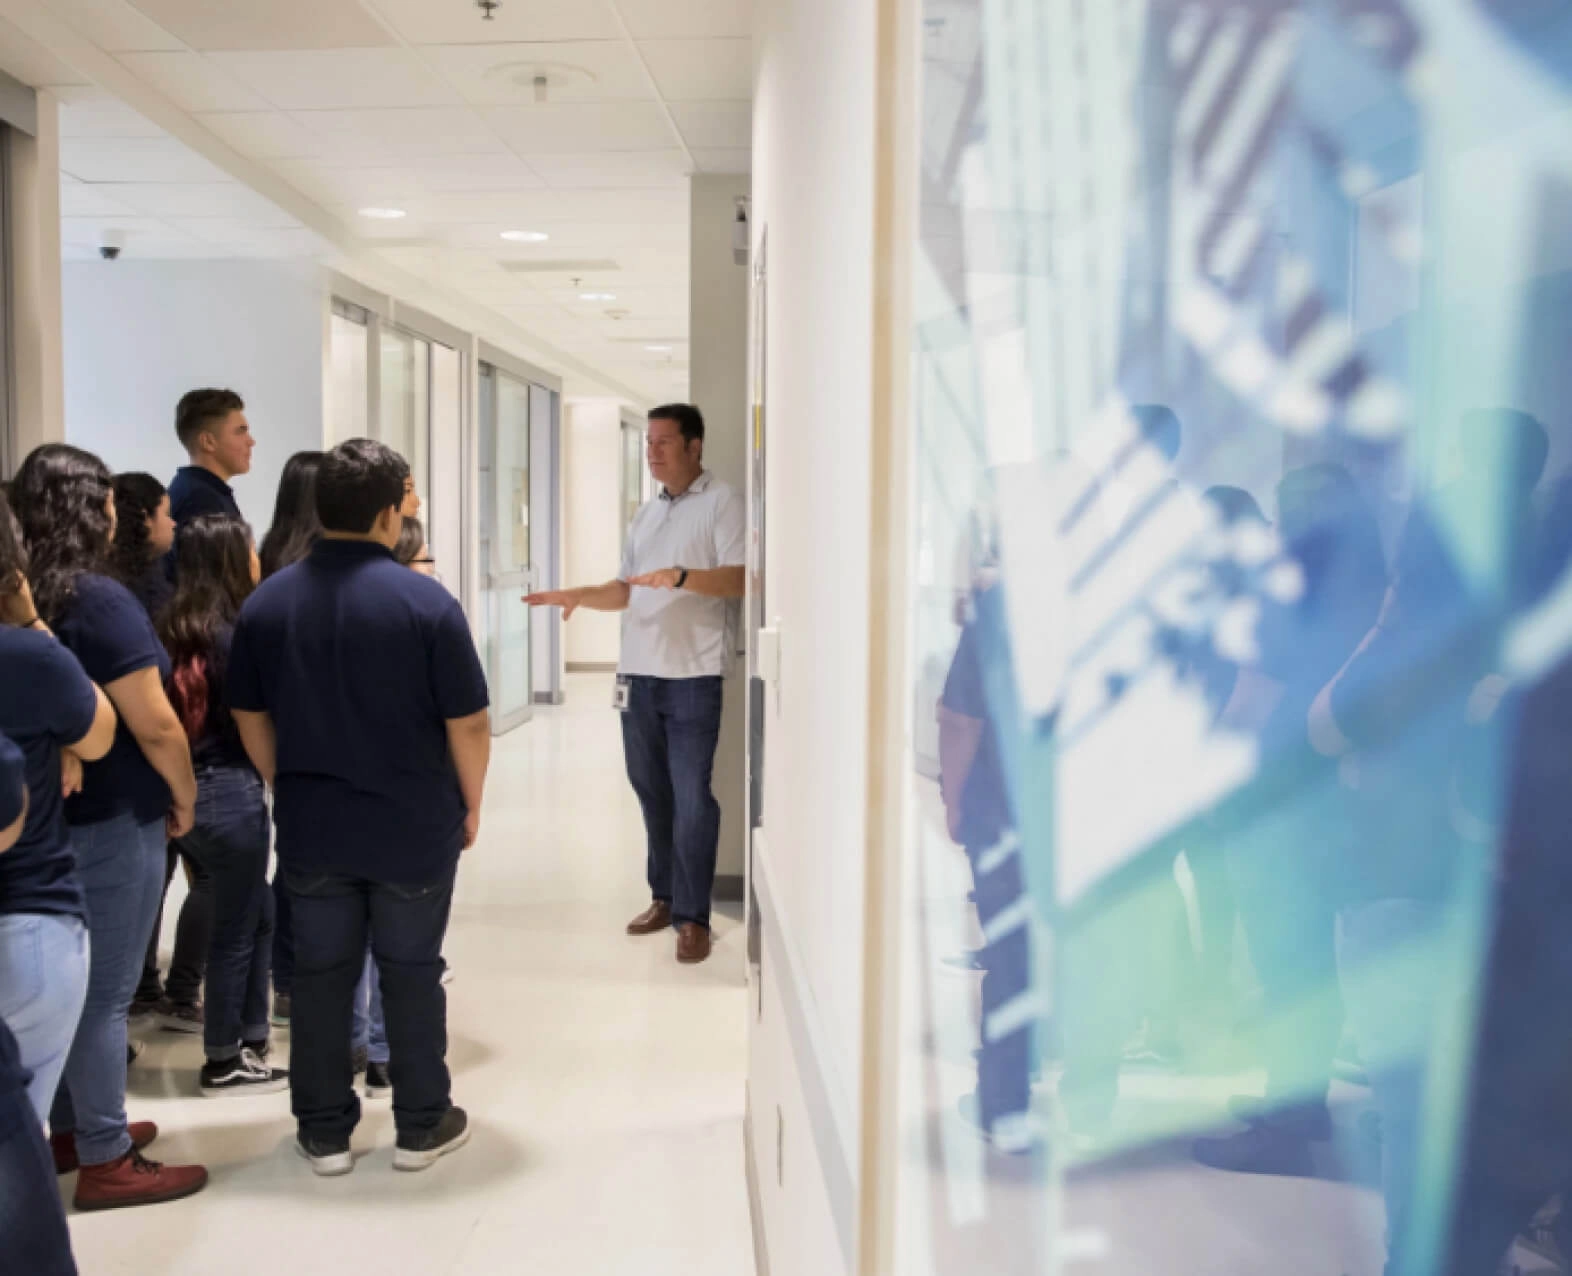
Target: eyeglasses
422	562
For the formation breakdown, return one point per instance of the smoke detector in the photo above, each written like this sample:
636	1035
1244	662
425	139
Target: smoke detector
542	79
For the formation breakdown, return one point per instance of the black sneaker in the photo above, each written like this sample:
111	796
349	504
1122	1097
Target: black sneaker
423	1149
178	1016
329	1157
359	1060
379	1084
244	1074
1262	1149
262	1049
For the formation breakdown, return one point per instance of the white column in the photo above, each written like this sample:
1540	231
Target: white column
718	338
35	281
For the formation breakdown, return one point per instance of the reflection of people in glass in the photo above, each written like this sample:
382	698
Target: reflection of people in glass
1400	717
1278	860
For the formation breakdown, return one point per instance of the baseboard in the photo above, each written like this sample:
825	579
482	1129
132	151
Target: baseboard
551	697
761	1249
729	886
592	666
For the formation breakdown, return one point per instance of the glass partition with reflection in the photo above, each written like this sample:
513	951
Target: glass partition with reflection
505	543
1236	901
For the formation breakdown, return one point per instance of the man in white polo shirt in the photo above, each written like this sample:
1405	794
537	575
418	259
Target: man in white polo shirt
683	561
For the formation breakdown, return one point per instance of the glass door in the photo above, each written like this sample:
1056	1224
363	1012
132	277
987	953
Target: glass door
505	545
349	362
634	474
404	370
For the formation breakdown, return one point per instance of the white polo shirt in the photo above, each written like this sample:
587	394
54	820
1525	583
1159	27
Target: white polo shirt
671	633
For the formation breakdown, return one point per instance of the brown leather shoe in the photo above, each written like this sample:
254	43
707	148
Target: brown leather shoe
693	943
64	1145
134	1180
655	918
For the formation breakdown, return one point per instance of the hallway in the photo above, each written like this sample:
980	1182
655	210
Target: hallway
605	1082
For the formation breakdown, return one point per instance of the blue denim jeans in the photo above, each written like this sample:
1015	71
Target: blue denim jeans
121	864
669	734
230	841
334	916
370	1030
43	983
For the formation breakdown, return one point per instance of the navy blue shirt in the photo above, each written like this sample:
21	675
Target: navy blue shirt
985	802
361	663
195	491
46	703
13	1076
107	630
13	782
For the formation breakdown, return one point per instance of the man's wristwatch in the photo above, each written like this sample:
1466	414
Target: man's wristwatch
682	577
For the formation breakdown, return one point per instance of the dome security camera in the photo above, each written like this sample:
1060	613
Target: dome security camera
112	244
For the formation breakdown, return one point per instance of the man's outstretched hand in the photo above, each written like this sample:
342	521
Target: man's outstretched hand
568	599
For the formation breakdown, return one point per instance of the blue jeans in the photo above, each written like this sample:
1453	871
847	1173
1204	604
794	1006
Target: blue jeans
333	916
669	734
121	864
32	1220
370	1029
43	983
230	841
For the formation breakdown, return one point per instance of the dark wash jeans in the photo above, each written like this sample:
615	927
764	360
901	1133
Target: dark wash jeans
669	733
333	915
230	842
193	936
32	1221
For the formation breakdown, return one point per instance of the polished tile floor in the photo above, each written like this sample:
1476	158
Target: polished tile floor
604	1081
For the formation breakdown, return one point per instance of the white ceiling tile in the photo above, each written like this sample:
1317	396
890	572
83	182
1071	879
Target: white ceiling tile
276	24
701	70
338	79
500	172
687	19
724	161
229	200
83	199
366	138
242	239
715	125
115	26
192	83
89	115
430	22
572	128
135	159
350	187
25	59
504	74
143	235
263	134
609	170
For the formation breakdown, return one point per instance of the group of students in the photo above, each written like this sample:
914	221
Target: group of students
159	673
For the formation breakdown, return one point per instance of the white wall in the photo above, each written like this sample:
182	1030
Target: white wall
139	334
718	334
813	173
591	528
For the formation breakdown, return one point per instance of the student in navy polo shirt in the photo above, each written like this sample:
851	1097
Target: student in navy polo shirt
59	719
142	791
361	699
212	427
31	1221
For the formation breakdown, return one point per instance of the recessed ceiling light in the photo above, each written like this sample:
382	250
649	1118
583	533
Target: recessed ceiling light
597	296
383	214
525	236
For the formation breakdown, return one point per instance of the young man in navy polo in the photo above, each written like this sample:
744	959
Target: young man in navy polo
212	427
361	700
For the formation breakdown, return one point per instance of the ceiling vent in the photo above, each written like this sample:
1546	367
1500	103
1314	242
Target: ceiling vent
561	266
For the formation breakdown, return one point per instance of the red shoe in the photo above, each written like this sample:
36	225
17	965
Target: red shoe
134	1180
64	1145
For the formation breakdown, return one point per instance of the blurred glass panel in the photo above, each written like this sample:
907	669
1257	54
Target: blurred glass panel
1243	503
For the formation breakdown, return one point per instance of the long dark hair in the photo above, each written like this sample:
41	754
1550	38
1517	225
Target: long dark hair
213	556
61	497
13	556
411	540
137	498
296	526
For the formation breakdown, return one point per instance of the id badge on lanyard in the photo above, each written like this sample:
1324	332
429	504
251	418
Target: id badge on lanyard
622	695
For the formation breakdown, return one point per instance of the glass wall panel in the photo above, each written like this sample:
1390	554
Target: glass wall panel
1235	933
635	474
349	386
405	374
505	543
